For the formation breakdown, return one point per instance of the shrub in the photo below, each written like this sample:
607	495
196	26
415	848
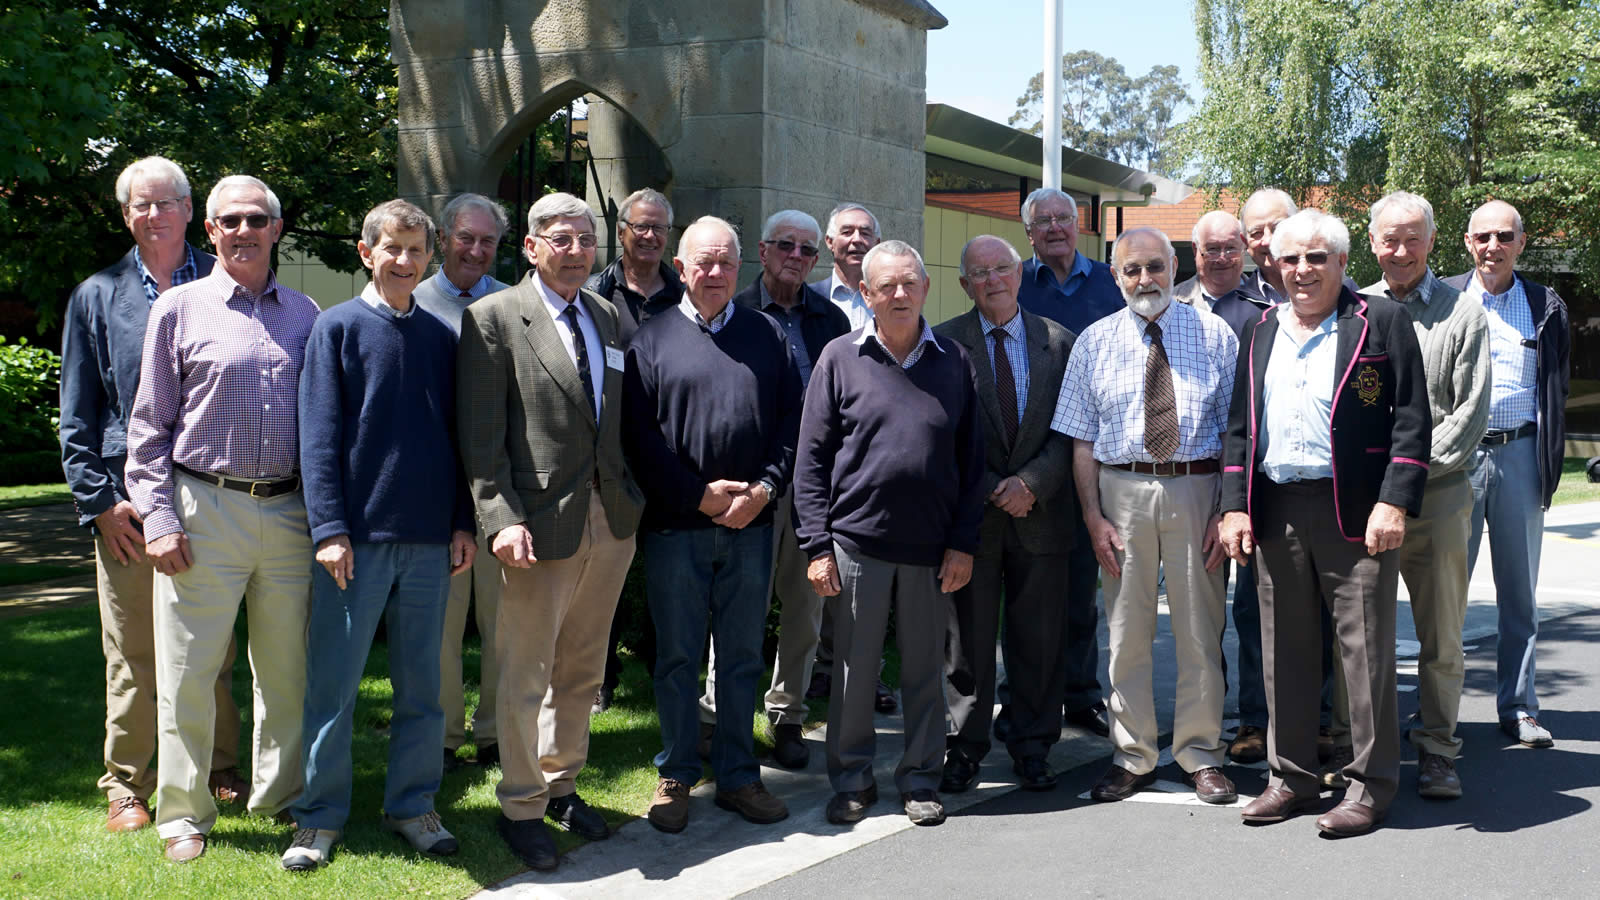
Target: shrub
30	418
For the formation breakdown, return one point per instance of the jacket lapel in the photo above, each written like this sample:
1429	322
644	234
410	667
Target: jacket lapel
541	334
1037	415
972	337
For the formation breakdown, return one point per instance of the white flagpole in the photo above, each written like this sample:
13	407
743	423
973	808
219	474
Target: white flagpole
1053	14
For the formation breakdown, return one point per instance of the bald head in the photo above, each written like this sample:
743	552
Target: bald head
708	262
1260	215
1494	241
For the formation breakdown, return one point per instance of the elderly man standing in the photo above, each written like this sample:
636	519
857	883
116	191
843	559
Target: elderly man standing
1328	441
1453	335
539	391
889	494
214	462
1145	399
852	231
101	345
1516	469
473	225
712	402
1027	527
1261	213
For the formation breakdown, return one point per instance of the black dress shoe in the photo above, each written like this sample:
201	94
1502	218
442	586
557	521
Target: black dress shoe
1120	784
530	841
850	807
1033	774
883	699
488	755
821	685
1092	718
960	773
789	747
570	813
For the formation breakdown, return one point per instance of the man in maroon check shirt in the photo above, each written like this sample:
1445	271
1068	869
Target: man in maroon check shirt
213	469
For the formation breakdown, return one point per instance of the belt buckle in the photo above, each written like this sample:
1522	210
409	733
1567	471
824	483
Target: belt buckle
256	496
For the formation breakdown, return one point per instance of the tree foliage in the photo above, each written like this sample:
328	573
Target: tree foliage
300	93
1106	112
1342	100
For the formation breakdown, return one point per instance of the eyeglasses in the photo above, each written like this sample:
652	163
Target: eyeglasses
1132	270
644	229
143	206
231	221
1222	253
787	247
1481	238
1313	258
1046	221
563	240
979	276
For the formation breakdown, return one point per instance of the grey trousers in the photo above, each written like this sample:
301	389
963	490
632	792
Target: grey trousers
860	618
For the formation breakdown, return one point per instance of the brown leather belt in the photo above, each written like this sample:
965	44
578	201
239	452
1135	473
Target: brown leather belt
1169	469
1495	437
260	490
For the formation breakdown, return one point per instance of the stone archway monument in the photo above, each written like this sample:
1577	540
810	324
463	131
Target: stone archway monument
755	106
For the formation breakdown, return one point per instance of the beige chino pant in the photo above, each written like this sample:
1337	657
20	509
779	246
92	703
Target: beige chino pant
483	582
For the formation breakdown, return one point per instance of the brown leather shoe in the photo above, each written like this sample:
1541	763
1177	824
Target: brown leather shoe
1276	804
1211	786
186	847
1120	784
669	808
1348	819
755	803
1249	745
1436	776
228	786
127	814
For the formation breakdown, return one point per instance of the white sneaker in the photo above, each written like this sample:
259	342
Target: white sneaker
311	848
425	833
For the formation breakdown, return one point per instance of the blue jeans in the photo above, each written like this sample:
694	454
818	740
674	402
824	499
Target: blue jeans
690	575
1505	496
411	582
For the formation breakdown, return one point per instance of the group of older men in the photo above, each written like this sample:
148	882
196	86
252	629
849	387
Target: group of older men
444	443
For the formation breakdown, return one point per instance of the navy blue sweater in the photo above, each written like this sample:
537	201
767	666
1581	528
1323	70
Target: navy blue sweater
890	460
377	428
698	407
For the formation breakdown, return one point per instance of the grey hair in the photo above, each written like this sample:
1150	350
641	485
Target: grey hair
465	202
685	244
1280	197
897	249
1311	223
962	266
1142	231
273	206
647	196
1046	193
790	218
1213	217
558	206
398	215
154	168
1405	200
833	218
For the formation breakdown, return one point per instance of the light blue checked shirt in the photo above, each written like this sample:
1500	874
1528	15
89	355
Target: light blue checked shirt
1102	392
925	340
1016	353
1297	403
1514	366
181	275
718	321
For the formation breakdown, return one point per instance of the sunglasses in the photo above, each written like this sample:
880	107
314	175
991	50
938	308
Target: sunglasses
1481	238
787	246
1314	258
231	221
1132	270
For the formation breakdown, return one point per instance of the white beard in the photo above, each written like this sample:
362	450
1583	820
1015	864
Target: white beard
1147	306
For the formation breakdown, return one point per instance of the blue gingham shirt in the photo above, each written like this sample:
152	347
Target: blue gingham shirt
924	340
1297	403
1514	368
686	306
1016	354
1102	392
181	275
791	319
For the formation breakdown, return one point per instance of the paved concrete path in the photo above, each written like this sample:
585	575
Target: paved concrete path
45	535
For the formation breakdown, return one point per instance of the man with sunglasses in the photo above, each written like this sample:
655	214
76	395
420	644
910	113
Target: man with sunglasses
102	341
214	469
1145	400
1517	466
539	396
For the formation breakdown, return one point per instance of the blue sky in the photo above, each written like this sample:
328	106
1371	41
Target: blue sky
982	61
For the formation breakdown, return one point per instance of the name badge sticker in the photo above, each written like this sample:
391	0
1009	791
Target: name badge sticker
614	358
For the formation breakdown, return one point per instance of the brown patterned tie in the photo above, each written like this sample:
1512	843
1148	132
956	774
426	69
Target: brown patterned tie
1160	409
1005	387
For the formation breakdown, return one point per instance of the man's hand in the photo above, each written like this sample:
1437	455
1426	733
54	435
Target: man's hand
824	576
955	571
1238	540
513	546
746	505
337	556
1386	528
1211	546
116	526
1013	496
719	496
1105	540
170	553
463	550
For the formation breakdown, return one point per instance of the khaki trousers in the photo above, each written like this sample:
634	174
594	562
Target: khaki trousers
551	635
258	551
1162	522
128	637
480	586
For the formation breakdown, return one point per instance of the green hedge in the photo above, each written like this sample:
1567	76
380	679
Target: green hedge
30	419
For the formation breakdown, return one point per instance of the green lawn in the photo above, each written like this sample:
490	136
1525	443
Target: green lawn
16	496
1575	486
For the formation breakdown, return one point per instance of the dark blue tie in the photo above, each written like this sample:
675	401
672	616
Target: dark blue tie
580	348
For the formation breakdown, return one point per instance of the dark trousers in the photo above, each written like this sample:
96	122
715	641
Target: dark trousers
1305	564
